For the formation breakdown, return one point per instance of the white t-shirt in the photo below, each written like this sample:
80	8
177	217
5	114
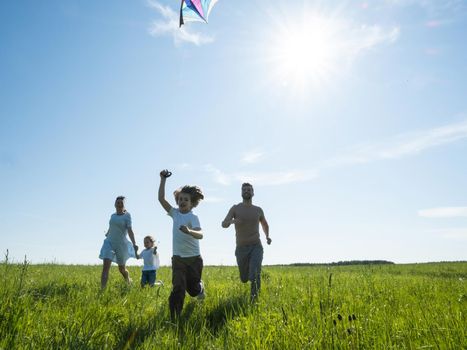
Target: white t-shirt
184	245
151	260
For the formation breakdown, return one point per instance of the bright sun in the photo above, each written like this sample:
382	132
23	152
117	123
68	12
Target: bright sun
305	54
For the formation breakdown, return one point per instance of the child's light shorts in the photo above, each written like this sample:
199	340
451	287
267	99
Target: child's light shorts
117	252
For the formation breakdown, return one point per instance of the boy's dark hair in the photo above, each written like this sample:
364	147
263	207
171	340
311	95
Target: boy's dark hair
194	191
247	184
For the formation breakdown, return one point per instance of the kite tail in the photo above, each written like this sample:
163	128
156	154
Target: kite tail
181	15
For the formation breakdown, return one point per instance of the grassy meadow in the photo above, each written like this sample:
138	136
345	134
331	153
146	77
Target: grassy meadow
422	306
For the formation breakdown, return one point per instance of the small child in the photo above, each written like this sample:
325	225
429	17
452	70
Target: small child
150	257
187	264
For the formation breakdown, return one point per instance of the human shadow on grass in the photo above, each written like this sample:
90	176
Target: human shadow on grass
227	309
215	320
133	335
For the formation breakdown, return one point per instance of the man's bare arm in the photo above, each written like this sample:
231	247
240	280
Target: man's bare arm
265	226
229	219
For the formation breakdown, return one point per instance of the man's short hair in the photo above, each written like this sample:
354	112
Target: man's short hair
245	184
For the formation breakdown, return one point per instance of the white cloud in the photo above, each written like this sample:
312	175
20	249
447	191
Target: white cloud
252	157
361	38
403	145
458	233
443	212
219	176
400	146
213	199
168	24
273	178
276	178
435	9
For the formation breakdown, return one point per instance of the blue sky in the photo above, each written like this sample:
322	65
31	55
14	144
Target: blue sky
349	118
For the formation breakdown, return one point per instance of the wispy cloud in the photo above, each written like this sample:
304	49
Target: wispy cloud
397	147
252	157
430	5
403	145
168	24
439	12
213	199
219	176
272	178
360	38
443	212
458	233
276	178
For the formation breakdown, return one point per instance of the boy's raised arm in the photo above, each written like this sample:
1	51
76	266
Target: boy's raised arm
166	205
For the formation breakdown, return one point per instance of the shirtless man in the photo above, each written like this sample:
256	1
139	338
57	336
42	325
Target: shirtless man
249	252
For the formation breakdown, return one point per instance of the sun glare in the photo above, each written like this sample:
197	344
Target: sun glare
304	54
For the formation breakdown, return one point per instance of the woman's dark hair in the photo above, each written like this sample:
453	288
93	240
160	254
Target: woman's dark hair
196	194
122	198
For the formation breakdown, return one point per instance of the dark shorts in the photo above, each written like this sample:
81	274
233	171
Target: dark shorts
148	277
186	277
249	260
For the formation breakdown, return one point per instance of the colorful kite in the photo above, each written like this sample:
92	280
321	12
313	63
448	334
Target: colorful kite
195	10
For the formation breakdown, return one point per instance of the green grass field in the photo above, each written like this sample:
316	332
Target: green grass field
420	306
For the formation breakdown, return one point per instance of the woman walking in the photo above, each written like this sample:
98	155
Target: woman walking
116	247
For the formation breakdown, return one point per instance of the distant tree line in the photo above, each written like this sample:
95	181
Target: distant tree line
347	262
